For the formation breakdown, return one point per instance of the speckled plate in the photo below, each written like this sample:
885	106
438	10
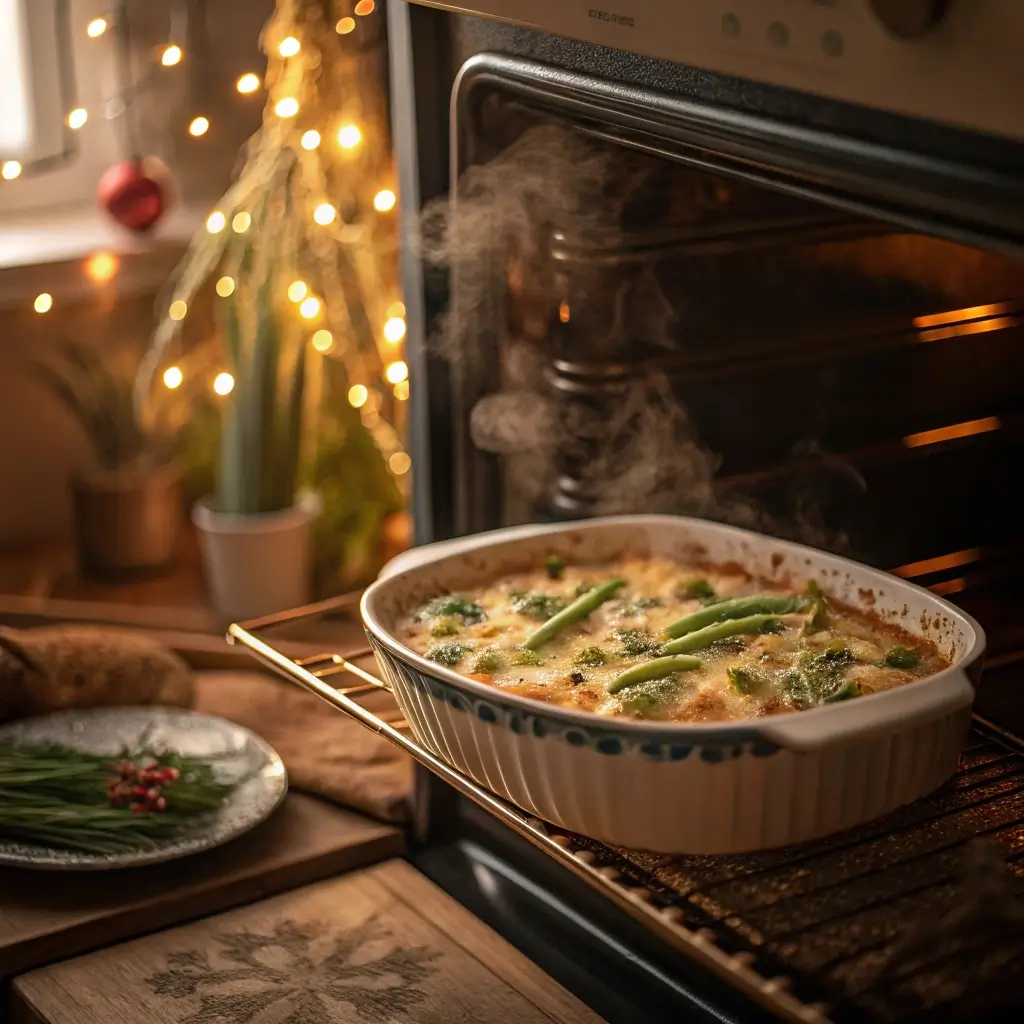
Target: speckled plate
240	754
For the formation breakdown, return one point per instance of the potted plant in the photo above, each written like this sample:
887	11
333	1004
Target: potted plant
127	505
255	530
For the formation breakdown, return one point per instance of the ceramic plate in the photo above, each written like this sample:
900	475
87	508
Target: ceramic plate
239	752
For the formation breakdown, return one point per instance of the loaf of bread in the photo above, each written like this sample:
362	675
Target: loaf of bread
53	668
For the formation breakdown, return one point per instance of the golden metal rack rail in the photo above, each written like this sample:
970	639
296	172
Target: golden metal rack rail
313	673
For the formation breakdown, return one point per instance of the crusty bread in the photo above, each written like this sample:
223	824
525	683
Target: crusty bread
52	668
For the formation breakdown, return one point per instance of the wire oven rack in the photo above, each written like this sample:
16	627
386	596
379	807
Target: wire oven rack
727	914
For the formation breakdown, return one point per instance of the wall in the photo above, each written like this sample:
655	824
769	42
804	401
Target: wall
49	225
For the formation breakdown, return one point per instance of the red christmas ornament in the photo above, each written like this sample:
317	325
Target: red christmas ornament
133	195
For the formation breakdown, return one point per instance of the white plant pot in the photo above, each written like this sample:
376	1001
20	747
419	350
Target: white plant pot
257	564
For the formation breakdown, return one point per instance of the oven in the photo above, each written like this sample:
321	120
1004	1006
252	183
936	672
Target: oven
759	261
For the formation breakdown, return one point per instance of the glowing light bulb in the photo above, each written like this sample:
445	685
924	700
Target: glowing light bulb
364	7
324	214
100	267
248	83
240	223
396	372
223	383
345	26
173	377
310	307
10	169
171	56
288	107
394	330
96	28
177	310
43	303
323	341
225	286
384	200
199	126
77	118
297	291
396	309
402	391
215	222
349	137
400	463
310	139
357	396
289	47
564	313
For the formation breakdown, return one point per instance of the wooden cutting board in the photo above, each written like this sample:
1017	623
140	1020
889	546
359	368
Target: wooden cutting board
381	946
49	916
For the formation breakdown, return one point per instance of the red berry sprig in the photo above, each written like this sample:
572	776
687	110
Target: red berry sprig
141	788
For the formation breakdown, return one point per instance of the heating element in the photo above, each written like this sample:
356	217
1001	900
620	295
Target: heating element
914	916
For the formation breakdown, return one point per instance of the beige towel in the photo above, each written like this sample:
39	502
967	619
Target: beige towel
324	751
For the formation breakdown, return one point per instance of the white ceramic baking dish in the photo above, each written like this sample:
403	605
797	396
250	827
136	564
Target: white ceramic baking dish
705	788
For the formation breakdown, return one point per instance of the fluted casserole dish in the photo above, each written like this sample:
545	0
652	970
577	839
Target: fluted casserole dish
717	787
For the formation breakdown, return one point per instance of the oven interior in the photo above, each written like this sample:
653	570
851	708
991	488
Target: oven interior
641	315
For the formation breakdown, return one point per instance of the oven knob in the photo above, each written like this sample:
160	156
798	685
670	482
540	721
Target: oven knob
909	19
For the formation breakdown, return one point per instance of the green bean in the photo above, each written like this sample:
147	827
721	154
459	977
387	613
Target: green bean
720	630
579	609
656	669
737	608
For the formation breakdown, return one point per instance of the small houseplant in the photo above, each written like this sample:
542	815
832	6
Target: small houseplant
127	504
255	530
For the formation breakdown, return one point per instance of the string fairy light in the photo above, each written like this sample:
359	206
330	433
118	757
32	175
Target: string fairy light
101	267
96	28
309	307
215	222
310	139
297	291
357	396
199	126
384	201
77	118
173	377
172	55
402	391
287	107
289	47
223	383
324	214
394	330
177	309
345	26
400	463
225	286
396	309
396	372
323	341
43	302
240	223
364	7
10	170
349	137
248	83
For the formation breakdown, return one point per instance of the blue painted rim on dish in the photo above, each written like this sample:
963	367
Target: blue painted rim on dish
713	746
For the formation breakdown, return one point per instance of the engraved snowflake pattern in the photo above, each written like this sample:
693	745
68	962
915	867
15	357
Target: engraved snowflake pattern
299	974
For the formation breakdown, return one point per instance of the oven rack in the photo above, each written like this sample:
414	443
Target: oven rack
313	673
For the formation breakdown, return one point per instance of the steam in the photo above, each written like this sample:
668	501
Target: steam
590	428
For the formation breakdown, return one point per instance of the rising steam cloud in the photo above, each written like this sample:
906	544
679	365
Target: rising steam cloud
636	450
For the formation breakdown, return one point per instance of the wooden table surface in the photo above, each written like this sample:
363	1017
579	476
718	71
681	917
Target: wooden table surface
382	945
49	916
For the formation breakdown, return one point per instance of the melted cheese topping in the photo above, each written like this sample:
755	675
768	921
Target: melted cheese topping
821	652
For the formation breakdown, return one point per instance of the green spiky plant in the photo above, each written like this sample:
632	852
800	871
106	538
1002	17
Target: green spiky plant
261	437
101	400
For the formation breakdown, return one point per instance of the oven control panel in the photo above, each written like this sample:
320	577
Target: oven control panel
960	62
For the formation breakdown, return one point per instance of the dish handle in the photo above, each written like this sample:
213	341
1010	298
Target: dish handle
892	711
